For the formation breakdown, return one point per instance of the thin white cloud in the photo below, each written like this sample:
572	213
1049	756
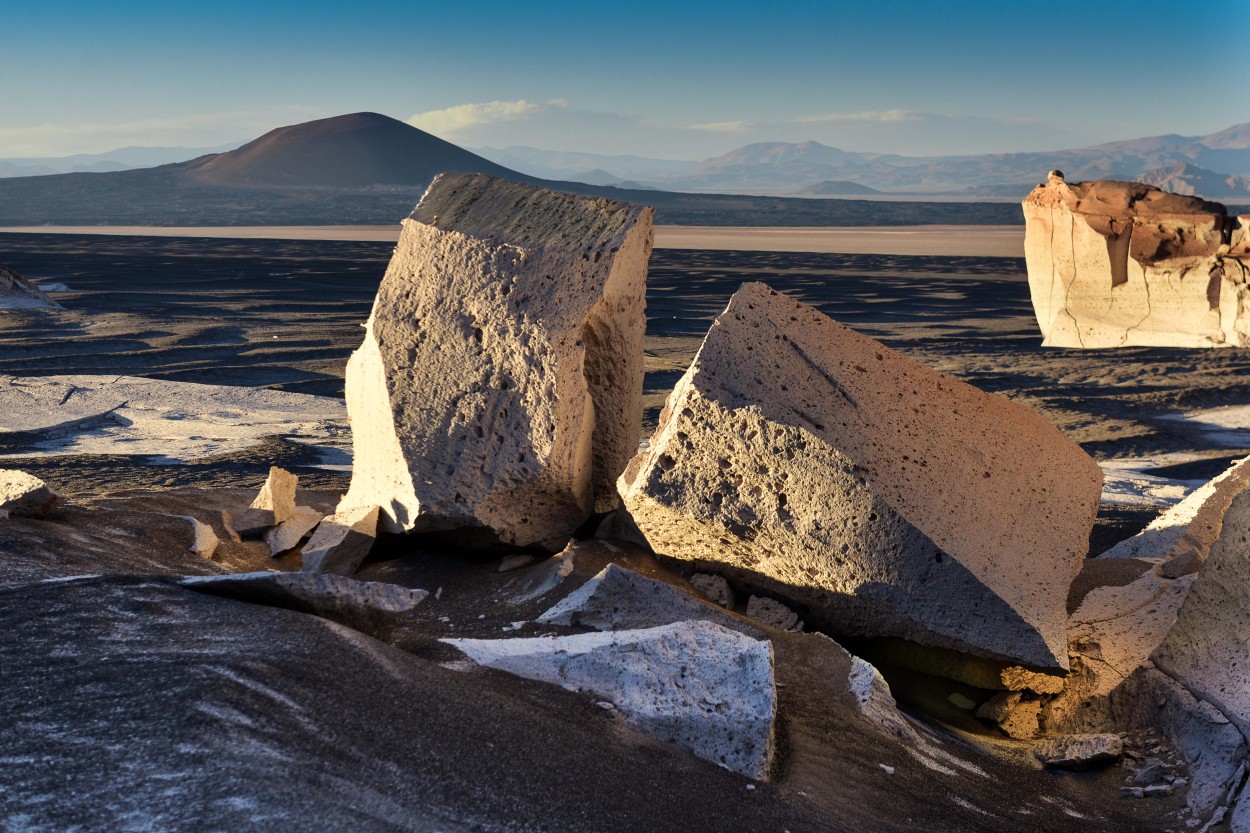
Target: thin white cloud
866	115
197	130
463	116
724	126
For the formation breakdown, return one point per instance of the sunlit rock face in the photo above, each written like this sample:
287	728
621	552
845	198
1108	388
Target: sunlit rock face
886	498
499	384
1120	264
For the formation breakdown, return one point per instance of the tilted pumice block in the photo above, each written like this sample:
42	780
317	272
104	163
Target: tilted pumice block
1117	264
889	499
499	384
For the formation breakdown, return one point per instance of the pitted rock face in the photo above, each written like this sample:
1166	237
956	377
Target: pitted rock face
1115	264
499	384
886	498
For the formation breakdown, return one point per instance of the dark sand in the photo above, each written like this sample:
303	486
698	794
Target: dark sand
286	314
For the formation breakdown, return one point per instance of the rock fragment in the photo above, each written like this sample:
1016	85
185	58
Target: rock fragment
1080	752
714	588
273	504
818	465
619	599
1115	264
367	606
773	613
287	534
204	541
341	541
1017	717
499	383
25	495
695	684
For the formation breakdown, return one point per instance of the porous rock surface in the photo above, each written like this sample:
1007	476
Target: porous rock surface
1080	751
886	498
1206	649
26	495
499	382
1115	264
696	684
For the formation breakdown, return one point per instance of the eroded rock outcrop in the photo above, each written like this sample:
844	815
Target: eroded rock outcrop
17	292
886	498
1114	264
499	383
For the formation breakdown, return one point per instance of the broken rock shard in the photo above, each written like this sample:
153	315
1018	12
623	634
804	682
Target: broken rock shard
341	542
1115	264
803	458
695	684
274	504
499	383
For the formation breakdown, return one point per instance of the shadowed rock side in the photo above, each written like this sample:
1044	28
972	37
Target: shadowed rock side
888	498
1117	264
499	383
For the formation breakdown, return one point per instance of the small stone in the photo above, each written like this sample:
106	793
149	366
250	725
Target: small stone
1157	791
515	562
714	588
1151	772
1078	752
24	495
1179	783
772	612
273	504
342	541
889	770
1131	792
287	535
203	540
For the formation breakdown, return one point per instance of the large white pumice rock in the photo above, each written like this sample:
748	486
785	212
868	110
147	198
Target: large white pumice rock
620	599
885	498
1206	649
25	495
287	535
1116	628
695	684
273	504
341	541
499	384
365	605
1115	264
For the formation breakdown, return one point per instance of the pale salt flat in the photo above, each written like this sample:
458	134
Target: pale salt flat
951	241
169	422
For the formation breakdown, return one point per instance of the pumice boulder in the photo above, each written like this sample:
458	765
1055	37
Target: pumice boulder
805	459
1118	264
499	384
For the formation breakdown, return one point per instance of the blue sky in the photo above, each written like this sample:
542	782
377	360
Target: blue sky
626	77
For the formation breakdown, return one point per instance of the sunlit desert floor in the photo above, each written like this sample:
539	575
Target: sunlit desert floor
285	314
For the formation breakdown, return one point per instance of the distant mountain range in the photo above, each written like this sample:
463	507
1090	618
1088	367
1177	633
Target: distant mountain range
121	159
366	168
798	168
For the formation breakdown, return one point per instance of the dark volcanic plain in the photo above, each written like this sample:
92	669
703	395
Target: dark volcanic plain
216	714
